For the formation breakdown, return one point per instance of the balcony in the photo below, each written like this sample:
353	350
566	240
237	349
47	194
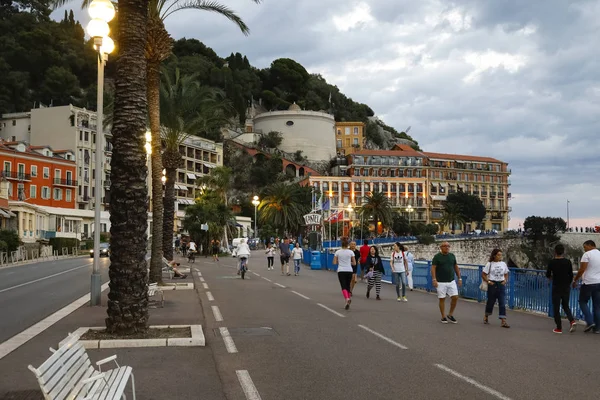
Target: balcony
19	176
64	182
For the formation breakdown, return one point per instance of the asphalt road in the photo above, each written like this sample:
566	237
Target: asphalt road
31	292
379	349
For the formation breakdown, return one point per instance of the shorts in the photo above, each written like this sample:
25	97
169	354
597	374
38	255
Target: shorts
355	269
447	289
284	259
215	251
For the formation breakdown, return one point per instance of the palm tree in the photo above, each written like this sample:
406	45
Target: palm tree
283	207
128	297
377	205
186	108
452	216
220	181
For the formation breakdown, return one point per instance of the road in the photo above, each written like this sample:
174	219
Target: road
313	349
31	292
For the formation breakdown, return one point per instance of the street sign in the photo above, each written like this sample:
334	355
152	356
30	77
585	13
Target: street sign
204	227
312	219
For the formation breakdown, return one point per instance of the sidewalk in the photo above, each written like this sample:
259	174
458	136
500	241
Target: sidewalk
160	372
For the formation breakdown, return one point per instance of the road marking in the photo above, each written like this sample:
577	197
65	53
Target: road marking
21	338
205	285
210	296
330	310
280	285
198	271
301	295
202	279
473	382
256	274
247	385
217	313
267	279
228	340
387	339
44	278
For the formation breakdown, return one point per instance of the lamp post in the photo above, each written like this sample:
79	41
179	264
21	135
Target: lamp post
409	210
255	203
350	220
568	215
101	12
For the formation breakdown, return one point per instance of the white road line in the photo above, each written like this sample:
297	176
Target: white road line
267	279
280	285
256	274
217	313
301	295
205	285
202	279
478	385
210	296
44	278
247	385
21	338
330	310
198	271
228	340
387	339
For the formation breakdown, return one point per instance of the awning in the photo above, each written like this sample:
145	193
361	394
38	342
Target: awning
10	213
442	198
209	165
4	214
73	218
181	187
185	201
191	176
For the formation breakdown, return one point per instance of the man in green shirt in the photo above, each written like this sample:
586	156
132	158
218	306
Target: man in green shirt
443	271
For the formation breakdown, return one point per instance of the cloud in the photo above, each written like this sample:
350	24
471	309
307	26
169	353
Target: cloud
515	80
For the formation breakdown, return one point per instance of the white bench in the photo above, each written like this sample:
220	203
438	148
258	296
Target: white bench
154	290
68	374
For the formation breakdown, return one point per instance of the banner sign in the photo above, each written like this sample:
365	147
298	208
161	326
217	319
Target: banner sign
312	219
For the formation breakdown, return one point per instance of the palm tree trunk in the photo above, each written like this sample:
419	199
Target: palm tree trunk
169	212
225	238
156	252
128	297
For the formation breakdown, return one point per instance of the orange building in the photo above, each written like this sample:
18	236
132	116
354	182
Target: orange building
349	137
38	175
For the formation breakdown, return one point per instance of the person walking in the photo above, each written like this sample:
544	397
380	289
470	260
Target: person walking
215	250
400	270
495	273
364	253
297	254
589	273
284	256
344	259
270	256
560	272
355	266
410	260
443	271
375	273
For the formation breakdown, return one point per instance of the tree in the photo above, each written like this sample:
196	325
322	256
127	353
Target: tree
128	297
283	205
377	206
452	216
220	181
208	209
60	86
271	140
400	225
541	231
471	207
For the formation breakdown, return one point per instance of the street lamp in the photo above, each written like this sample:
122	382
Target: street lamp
409	210
255	203
350	220
101	11
163	178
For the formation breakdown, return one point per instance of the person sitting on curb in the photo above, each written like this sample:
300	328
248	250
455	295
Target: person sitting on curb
176	274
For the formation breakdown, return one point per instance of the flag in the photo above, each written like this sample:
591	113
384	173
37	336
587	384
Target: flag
329	97
325	205
335	217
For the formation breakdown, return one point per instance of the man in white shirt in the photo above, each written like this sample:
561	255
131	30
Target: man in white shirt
243	253
192	246
589	270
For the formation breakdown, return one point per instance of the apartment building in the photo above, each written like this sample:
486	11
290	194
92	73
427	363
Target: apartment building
417	183
349	137
66	127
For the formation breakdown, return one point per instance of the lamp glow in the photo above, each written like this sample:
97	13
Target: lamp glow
108	45
148	148
102	9
163	179
97	28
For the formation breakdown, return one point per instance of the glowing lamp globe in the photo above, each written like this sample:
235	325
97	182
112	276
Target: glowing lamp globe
148	147
102	9
97	28
108	45
148	136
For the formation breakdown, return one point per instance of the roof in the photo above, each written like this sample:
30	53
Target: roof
409	153
349	123
30	150
461	157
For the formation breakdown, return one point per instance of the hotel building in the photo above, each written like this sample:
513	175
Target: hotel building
349	137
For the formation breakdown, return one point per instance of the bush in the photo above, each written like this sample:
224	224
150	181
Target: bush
59	243
426	239
11	240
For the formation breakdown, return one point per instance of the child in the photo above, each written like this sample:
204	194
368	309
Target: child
560	270
297	253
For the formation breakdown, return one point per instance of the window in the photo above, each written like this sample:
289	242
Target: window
14	122
21	192
69	195
32	191
69	177
57	174
356	130
339	143
355	142
57	194
87	136
79	190
347	130
45	192
10	190
80	136
289	123
7	166
34	170
46	172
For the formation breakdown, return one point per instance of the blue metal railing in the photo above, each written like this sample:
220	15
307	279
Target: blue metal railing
390	240
527	289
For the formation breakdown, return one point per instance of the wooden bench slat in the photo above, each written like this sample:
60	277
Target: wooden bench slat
67	346
69	383
62	367
117	380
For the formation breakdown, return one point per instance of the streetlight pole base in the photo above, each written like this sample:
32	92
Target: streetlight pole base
96	290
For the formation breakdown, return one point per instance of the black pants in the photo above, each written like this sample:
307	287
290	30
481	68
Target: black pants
270	262
345	279
561	296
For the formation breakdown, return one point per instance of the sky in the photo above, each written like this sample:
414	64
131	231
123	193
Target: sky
517	80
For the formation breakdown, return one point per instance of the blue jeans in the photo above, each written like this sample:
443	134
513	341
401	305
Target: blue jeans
243	262
400	278
297	266
496	292
586	293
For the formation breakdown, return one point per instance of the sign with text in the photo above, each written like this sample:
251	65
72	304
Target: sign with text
312	219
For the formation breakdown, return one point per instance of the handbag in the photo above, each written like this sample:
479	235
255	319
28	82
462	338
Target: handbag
484	285
369	274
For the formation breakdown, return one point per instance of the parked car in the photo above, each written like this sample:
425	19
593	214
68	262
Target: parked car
104	250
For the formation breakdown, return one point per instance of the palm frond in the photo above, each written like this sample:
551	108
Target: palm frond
206	5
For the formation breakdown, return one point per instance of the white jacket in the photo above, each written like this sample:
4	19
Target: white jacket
243	250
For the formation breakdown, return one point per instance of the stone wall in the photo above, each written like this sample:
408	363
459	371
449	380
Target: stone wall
575	239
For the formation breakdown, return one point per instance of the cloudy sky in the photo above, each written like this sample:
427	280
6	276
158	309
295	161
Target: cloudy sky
518	80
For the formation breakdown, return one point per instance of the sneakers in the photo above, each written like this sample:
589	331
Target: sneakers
556	330
452	319
347	304
404	299
573	327
378	298
589	327
368	294
399	298
444	320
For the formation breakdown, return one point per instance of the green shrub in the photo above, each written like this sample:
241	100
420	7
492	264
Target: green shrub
3	246
11	239
59	243
426	239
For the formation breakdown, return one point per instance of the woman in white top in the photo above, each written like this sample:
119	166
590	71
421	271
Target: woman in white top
297	253
495	273
270	256
399	269
410	260
344	258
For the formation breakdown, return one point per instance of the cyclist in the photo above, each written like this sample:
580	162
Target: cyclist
243	253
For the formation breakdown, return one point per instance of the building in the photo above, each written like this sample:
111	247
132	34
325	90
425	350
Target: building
349	137
417	183
65	127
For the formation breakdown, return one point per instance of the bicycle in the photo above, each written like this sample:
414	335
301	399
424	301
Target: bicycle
191	256
243	266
